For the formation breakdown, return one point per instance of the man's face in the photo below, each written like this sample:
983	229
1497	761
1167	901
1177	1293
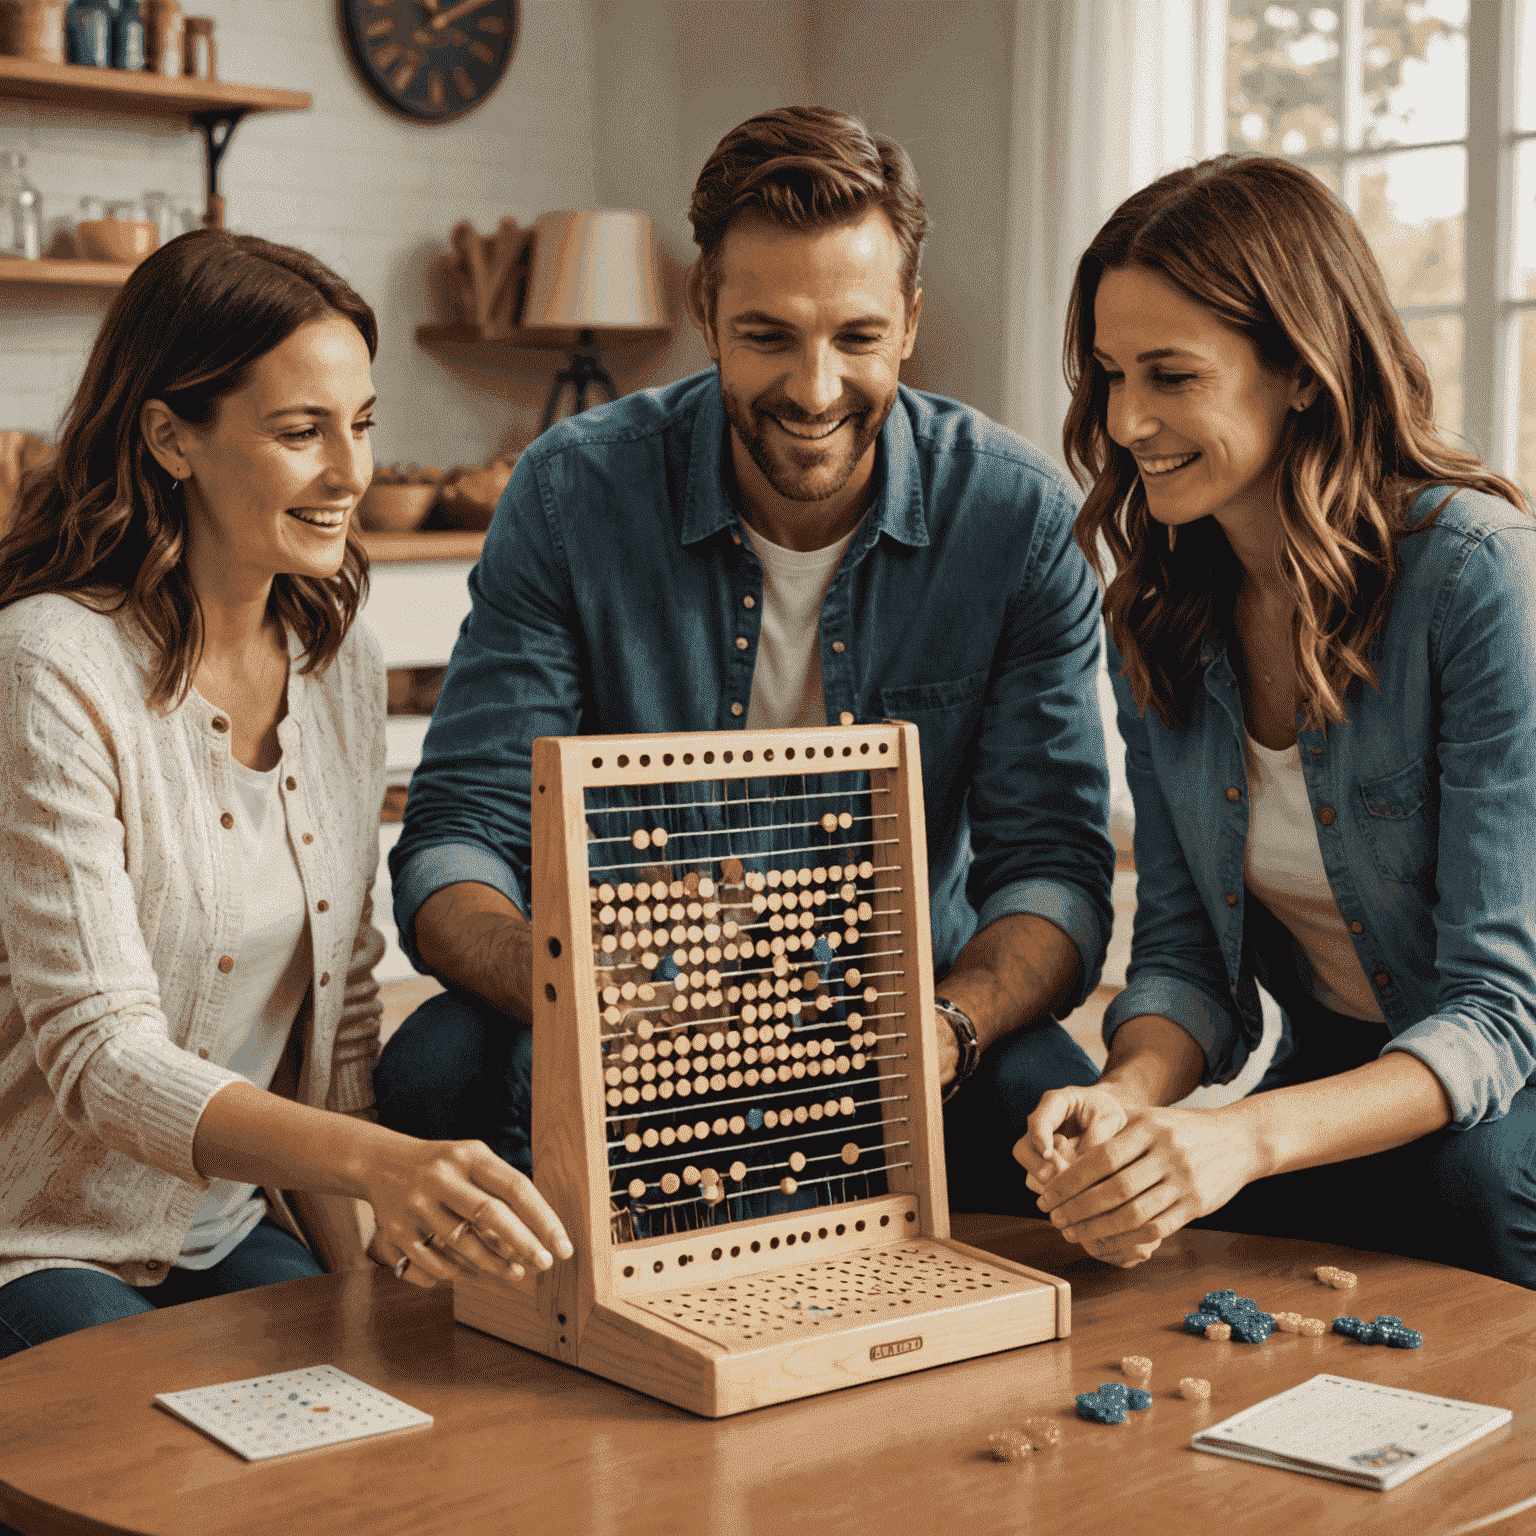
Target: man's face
809	333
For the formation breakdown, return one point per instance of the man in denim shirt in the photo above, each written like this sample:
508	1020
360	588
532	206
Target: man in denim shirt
789	539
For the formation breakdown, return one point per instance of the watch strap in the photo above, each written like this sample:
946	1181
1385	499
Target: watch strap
966	1038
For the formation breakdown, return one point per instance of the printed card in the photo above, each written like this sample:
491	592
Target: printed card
291	1411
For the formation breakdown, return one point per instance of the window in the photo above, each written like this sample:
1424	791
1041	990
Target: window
1422	115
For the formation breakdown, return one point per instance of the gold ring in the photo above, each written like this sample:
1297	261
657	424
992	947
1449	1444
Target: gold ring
458	1231
427	1241
402	1264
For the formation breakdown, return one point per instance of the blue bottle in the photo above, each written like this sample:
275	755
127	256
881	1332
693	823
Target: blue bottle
128	36
88	33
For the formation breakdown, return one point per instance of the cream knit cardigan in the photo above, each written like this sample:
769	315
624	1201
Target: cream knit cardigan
121	919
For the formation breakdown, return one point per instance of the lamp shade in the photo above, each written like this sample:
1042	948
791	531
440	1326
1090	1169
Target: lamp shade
593	271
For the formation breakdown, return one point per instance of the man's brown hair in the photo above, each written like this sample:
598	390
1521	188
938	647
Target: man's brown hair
805	168
102	519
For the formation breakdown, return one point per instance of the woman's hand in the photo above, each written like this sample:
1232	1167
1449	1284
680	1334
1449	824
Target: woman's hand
454	1207
1139	1173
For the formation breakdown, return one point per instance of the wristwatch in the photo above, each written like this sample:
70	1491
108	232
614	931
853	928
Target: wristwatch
965	1038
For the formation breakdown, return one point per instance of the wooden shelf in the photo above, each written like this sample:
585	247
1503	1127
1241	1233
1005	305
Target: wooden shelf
435	544
542	339
53	273
80	88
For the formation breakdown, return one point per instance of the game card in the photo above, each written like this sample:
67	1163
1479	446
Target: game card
291	1411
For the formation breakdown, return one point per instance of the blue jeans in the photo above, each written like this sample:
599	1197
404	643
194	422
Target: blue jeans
1464	1198
457	1069
49	1303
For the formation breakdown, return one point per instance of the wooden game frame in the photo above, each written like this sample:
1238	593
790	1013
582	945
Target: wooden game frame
599	1311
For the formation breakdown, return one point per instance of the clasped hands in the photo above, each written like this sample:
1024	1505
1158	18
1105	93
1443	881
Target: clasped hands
1118	1177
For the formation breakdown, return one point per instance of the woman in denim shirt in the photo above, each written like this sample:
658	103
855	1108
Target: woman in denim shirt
1324	623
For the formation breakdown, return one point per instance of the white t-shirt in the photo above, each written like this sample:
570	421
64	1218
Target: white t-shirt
786	681
1283	867
271	976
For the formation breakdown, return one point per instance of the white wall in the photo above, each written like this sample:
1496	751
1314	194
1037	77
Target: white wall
368	192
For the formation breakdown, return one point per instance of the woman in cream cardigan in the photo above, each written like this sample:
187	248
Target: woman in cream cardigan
191	763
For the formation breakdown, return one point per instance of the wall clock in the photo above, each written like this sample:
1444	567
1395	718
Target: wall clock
430	60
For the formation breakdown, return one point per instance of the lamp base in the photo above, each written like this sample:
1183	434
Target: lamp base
582	370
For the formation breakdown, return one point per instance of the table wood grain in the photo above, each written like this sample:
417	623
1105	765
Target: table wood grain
523	1444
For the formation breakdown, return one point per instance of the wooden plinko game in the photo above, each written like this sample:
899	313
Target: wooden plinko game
735	1076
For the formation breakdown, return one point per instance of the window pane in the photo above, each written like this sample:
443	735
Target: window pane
1415	65
1411	206
1525	105
1437	339
1523	268
1525	429
1283	80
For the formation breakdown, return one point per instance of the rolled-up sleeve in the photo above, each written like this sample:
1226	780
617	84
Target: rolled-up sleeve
1480	1040
1039	793
515	674
1176	969
80	969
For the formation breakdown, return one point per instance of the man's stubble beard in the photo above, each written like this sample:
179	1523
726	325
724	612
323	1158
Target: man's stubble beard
788	480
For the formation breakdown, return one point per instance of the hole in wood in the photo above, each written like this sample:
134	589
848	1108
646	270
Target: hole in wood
549	990
554	948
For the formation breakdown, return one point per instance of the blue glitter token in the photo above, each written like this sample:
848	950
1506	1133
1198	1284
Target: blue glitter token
1138	1397
1099	1409
755	1119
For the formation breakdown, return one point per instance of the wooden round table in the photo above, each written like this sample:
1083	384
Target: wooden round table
523	1444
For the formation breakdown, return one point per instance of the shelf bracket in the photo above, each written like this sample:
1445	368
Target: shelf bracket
218	128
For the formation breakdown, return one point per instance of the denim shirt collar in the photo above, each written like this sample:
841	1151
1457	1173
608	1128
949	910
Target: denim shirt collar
898	508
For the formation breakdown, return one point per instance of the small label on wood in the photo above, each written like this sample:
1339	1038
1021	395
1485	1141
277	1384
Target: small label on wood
900	1347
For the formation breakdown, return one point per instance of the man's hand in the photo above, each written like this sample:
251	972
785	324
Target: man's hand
1140	1173
949	1049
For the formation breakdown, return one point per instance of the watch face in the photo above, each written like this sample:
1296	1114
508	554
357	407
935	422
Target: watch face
430	60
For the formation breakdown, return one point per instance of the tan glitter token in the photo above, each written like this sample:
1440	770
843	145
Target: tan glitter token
641	839
1288	1322
1042	1433
1311	1327
1219	1332
1136	1368
1339	1279
1194	1388
1009	1445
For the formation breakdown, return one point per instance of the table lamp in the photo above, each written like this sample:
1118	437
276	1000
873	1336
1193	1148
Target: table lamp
592	272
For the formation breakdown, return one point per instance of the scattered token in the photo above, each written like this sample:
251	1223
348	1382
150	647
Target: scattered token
1042	1432
1288	1322
1136	1368
788	1185
829	822
1005	1444
641	839
1194	1388
1219	1332
1339	1279
1311	1327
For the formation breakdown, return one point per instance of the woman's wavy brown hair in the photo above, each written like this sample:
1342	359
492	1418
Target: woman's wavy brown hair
102	520
1272	253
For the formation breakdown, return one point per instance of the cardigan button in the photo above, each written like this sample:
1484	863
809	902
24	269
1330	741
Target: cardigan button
226	963
226	821
1357	926
1234	794
1326	815
220	723
749	601
838	647
322	906
1231	898
736	709
741	642
308	837
735	538
202	1051
325	978
1382	979
290	782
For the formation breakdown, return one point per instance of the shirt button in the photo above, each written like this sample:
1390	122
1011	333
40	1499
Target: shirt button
846	718
290	782
735	538
736	709
226	963
1382	979
1326	815
1315	751
322	906
838	647
226	821
1357	926
202	1051
741	642
325	978
1231	898
749	601
308	837
220	723
1234	794
152	1264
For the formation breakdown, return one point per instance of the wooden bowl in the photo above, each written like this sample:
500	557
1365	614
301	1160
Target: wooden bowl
122	240
395	508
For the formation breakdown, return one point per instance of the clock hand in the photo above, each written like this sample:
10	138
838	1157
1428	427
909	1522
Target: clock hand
463	8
